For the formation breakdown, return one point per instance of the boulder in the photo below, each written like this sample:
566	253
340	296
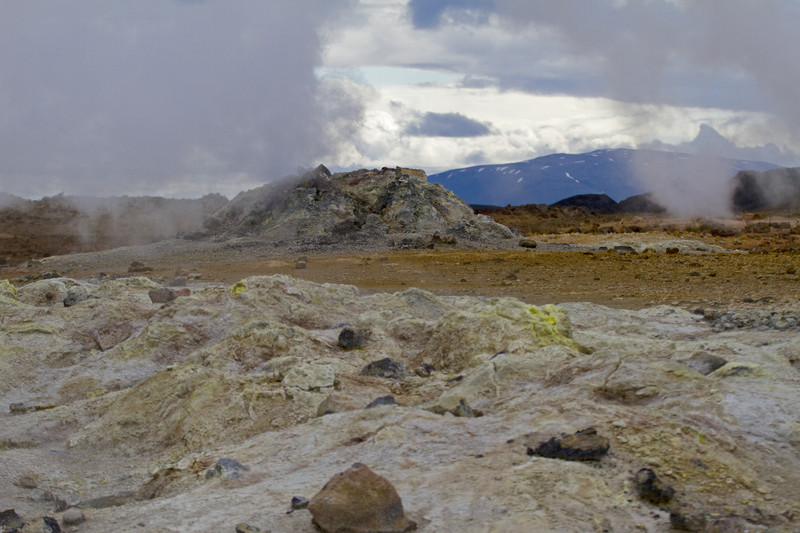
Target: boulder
359	501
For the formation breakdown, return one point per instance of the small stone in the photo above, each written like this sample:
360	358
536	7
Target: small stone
350	338
227	468
585	445
74	298
652	489
359	501
73	516
50	525
10	520
299	502
385	368
464	410
161	296
383	400
424	370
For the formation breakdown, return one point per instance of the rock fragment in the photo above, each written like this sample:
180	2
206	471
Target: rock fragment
227	468
299	502
350	338
73	516
585	445
359	501
651	489
10	520
161	296
385	368
383	400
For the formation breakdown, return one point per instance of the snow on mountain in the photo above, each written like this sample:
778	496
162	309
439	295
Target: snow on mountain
551	178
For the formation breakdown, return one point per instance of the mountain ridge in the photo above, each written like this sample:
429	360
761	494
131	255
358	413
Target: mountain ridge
616	173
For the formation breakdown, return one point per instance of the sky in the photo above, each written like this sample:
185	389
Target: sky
185	97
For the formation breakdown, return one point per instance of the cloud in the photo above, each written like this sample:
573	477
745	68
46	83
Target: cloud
447	125
709	142
432	13
178	97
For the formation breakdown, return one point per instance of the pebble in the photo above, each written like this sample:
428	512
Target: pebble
299	502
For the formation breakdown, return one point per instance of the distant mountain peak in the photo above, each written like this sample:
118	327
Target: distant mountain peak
548	179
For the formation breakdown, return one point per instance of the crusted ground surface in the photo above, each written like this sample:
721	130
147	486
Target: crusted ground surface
122	406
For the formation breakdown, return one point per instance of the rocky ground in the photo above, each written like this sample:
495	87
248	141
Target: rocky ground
642	380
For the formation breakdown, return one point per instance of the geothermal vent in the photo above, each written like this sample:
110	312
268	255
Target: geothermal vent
318	206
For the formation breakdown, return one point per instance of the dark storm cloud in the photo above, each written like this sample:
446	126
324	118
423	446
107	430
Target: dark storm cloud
732	54
446	125
113	96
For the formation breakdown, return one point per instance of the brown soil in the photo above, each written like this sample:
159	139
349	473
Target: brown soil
766	267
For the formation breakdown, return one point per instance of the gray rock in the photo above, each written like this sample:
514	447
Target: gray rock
385	368
350	338
299	502
227	468
73	516
74	298
650	488
585	445
383	400
10	521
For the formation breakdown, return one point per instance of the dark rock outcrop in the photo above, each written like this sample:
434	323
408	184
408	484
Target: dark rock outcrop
773	189
585	445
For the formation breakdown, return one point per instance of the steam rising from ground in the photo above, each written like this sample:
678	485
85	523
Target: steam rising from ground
691	186
163	97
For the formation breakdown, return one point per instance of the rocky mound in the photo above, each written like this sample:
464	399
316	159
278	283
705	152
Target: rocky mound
600	203
218	407
773	189
321	207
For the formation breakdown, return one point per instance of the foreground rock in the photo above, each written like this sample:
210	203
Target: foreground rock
125	406
359	501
